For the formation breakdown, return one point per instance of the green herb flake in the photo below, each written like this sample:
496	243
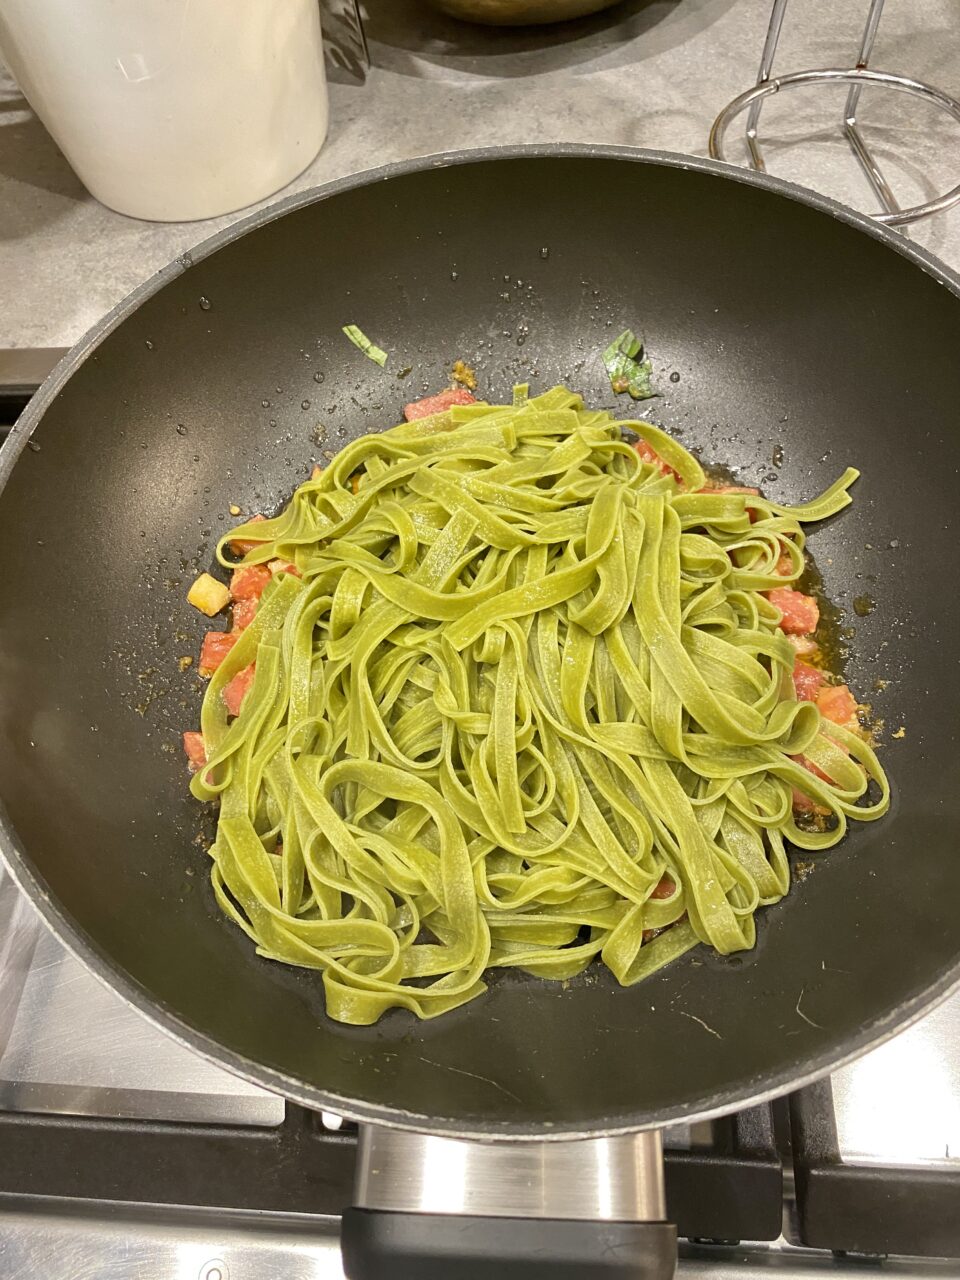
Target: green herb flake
626	367
369	349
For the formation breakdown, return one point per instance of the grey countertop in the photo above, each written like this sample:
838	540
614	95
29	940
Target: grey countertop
649	73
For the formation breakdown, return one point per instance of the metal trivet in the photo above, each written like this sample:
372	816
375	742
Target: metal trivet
856	77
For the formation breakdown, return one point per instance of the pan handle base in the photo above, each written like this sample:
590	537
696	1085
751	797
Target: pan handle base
384	1245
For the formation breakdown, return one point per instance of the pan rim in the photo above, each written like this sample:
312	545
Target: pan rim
752	1091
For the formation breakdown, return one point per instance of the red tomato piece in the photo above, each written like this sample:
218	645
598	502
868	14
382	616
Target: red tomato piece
196	751
244	612
248	582
235	692
216	645
649	454
800	613
837	704
806	681
665	887
811	768
240	546
438	403
803	804
283	566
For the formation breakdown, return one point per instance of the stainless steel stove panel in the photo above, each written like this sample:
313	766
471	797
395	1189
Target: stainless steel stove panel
70	1046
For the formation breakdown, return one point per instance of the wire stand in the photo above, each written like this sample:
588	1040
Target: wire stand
856	77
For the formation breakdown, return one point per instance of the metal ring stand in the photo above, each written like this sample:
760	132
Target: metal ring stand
856	77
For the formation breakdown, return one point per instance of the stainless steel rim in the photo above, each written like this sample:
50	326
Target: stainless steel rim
857	77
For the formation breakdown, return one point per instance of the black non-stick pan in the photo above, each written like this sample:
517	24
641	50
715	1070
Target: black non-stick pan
789	337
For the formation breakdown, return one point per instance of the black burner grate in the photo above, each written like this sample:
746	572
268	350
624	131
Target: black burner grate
730	1191
870	1209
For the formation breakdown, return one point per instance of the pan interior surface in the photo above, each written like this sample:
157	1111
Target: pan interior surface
799	345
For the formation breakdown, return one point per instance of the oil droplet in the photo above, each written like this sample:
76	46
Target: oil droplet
148	344
674	377
33	446
454	275
777	455
863	606
181	429
205	304
304	404
318	376
545	252
264	404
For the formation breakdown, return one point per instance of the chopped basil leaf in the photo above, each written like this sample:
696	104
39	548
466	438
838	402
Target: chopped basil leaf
626	367
369	349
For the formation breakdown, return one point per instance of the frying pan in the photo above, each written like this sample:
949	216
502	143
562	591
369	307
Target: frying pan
790	337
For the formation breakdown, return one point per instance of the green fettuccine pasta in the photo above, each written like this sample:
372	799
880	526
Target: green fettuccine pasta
524	706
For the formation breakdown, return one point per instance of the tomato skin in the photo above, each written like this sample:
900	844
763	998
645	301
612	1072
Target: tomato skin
216	645
195	749
248	582
811	768
649	454
837	704
244	612
806	681
803	804
665	887
800	613
240	546
437	404
235	692
283	566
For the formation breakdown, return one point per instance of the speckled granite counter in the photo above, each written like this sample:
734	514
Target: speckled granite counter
649	73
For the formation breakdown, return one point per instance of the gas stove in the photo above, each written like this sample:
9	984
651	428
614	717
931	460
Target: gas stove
124	1154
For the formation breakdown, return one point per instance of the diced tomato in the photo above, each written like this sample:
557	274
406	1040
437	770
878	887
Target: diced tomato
649	454
800	613
248	582
804	645
806	681
316	473
216	645
784	565
235	692
244	612
240	546
811	767
196	751
438	403
803	804
665	887
283	566
837	704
